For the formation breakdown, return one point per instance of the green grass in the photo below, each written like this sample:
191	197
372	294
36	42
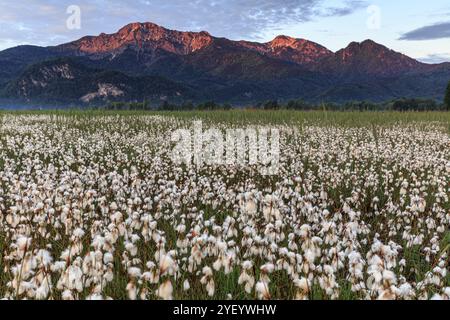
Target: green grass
271	116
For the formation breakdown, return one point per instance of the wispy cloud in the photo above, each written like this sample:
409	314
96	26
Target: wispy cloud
436	58
347	8
431	32
32	22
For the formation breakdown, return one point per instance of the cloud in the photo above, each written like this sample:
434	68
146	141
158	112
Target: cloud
436	58
348	8
235	19
431	32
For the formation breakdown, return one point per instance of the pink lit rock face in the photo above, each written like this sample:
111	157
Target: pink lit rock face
150	41
149	37
299	51
143	36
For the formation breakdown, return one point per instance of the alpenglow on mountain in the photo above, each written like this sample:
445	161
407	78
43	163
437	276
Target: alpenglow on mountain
146	61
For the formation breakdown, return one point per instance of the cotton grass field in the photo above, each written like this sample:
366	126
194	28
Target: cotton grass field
93	207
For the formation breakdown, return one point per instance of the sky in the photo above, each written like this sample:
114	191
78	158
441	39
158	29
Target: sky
420	29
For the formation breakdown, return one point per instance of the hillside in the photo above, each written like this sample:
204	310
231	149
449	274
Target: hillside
69	81
144	60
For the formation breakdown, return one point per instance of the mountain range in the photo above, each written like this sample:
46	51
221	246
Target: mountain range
146	61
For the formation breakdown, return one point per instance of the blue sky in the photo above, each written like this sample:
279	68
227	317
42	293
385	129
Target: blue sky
420	29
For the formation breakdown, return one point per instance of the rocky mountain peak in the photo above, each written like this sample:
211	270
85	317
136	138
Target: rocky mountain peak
284	41
146	36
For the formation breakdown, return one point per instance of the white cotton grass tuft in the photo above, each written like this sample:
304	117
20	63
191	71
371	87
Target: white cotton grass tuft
186	285
262	289
165	291
95	208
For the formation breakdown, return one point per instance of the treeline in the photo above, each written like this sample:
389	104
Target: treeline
145	105
166	106
395	105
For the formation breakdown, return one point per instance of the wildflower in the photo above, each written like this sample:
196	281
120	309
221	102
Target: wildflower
186	285
165	291
262	289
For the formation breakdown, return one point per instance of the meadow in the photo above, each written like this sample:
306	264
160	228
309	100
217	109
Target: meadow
93	207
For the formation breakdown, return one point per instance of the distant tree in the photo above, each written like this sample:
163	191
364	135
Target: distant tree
188	105
414	105
211	105
133	106
207	106
146	104
447	98
291	105
297	105
271	105
117	106
259	105
227	106
166	106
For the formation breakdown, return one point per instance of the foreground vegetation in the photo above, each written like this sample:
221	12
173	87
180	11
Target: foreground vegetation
92	207
254	116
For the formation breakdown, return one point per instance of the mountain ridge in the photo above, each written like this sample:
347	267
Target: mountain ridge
240	71
67	80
